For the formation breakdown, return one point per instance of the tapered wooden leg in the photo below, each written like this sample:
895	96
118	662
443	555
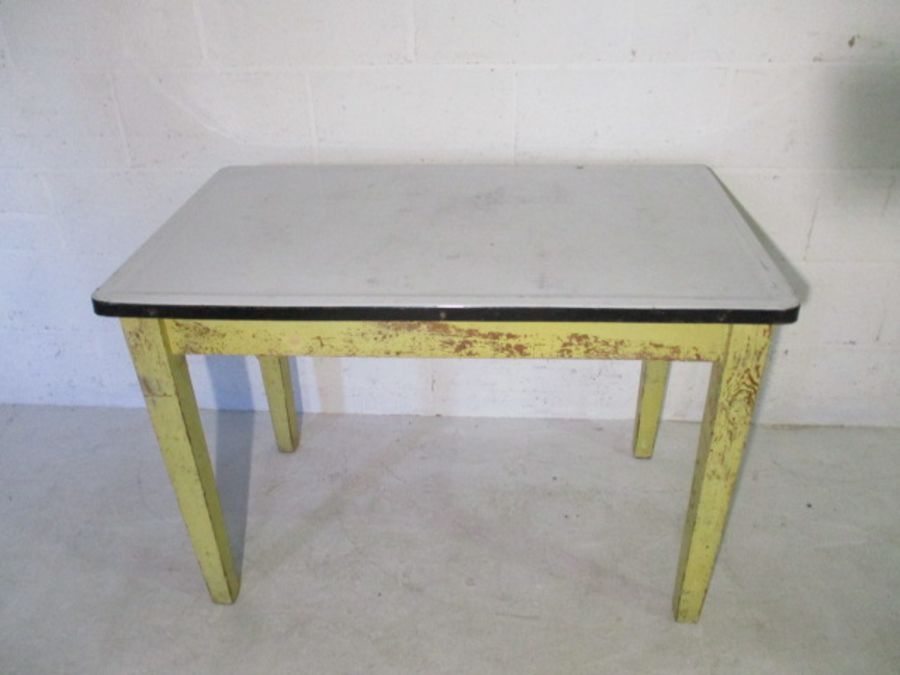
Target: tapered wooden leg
276	372
167	389
733	387
654	377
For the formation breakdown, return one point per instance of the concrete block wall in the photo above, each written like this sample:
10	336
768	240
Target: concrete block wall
113	113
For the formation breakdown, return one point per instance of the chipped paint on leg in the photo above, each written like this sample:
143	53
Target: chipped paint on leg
170	400
734	384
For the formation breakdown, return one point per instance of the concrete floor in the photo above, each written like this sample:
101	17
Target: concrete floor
439	545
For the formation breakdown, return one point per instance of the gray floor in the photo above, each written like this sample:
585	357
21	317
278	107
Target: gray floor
439	545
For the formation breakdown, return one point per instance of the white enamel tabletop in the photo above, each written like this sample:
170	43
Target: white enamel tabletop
576	242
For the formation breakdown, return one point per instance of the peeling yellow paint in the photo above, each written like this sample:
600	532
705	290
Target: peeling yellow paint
734	384
448	339
167	389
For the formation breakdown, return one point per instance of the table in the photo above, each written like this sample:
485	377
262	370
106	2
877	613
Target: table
555	262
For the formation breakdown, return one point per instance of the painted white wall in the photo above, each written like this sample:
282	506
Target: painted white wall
113	113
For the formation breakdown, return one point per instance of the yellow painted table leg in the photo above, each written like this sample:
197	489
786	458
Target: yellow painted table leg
276	372
733	387
167	389
654	377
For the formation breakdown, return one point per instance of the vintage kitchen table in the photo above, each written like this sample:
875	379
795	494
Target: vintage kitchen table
550	262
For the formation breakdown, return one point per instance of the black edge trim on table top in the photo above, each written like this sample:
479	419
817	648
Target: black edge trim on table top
574	314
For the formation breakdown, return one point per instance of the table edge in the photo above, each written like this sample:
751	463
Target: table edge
513	314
